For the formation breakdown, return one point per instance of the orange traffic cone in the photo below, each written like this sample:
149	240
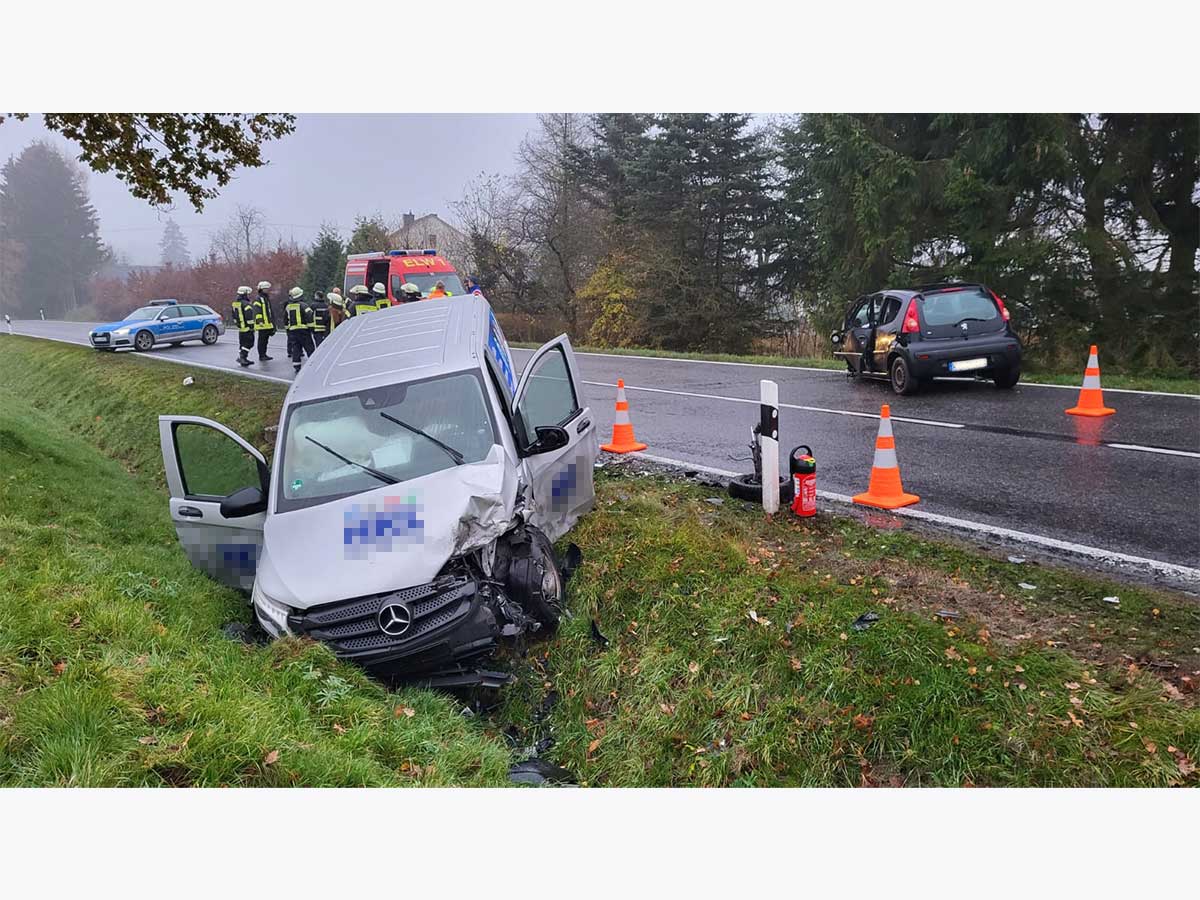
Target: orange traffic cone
885	490
622	439
1091	398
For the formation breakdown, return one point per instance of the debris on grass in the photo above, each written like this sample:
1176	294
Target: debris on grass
1016	560
865	621
1115	601
948	614
538	771
599	638
1026	586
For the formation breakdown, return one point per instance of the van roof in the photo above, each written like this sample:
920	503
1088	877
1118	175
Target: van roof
389	346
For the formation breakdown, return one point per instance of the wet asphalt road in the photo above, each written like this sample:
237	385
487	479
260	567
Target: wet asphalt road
1011	459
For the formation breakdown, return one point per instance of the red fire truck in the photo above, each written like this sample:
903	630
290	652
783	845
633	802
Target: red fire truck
424	268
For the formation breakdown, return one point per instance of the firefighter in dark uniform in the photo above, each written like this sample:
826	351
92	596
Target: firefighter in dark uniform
264	318
298	319
320	311
243	318
360	301
379	295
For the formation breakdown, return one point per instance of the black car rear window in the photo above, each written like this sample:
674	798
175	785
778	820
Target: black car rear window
952	307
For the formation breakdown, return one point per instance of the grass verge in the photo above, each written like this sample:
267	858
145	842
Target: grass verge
730	655
1166	384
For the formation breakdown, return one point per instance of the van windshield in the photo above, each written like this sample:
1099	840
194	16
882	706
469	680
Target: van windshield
345	445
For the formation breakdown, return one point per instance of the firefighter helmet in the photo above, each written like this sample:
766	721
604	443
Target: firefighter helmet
379	289
409	288
296	293
244	290
359	289
264	285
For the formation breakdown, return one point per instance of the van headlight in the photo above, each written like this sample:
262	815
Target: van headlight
271	609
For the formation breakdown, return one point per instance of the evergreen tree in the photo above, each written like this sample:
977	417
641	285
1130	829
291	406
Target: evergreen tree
325	262
173	246
370	234
44	206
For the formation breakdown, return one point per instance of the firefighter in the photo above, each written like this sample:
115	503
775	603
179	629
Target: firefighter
360	301
264	319
298	320
320	310
243	318
337	307
379	295
410	291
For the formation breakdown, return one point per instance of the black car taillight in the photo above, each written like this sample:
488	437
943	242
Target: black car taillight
1000	305
911	325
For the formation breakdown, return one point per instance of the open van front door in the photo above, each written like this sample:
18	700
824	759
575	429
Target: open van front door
559	461
218	485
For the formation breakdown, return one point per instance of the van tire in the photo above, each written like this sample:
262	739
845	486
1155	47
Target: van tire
536	581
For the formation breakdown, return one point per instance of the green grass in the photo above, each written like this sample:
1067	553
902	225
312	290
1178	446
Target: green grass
114	669
1167	384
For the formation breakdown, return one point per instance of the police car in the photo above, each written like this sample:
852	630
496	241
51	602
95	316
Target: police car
417	485
159	322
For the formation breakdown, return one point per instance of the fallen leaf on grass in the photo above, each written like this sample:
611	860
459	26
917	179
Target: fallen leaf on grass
795	663
60	667
1186	766
1150	746
1071	685
271	758
337	726
148	740
592	747
971	670
406	711
667	708
75	622
1171	691
1077	703
951	653
693	667
1075	719
1018	668
862	722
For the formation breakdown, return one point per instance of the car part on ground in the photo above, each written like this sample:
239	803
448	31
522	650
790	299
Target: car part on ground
750	487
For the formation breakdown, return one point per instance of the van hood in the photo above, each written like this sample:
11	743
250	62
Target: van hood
393	537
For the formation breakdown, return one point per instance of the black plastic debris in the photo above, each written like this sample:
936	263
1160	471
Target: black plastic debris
572	560
245	633
538	771
865	621
597	636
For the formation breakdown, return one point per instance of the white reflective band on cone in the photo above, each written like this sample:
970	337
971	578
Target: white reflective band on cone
622	417
885	427
885	458
621	395
1091	381
1093	361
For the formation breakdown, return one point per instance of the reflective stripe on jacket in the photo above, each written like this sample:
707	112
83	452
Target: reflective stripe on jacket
243	315
298	316
263	320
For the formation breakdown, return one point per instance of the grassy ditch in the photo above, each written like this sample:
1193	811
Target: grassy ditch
1165	383
728	654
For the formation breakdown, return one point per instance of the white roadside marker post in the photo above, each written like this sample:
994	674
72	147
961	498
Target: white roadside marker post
768	442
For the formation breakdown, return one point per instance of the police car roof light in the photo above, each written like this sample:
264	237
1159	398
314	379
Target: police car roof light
163	303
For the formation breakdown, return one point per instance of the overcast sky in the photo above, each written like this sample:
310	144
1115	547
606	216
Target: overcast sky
332	168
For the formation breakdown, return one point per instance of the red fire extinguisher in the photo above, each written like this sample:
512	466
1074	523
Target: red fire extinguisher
804	479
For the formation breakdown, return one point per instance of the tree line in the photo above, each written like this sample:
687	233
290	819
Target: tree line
727	233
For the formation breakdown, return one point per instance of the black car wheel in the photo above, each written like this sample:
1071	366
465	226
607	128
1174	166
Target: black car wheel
903	381
747	487
536	580
143	341
210	334
1006	379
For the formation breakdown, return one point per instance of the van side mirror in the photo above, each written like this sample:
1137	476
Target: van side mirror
549	438
246	502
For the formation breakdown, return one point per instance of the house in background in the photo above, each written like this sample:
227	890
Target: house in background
431	232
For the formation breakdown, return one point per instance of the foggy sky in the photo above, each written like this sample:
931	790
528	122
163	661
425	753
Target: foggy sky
330	169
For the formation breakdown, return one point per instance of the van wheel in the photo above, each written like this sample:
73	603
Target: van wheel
209	335
143	341
902	378
536	580
1006	379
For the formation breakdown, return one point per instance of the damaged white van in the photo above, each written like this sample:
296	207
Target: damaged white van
408	515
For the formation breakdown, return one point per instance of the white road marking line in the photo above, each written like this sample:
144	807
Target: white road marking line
715	362
1164	450
1109	557
821	409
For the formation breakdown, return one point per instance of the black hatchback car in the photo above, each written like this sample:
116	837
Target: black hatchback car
912	335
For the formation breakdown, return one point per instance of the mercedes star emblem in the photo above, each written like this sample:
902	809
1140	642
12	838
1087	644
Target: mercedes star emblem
394	618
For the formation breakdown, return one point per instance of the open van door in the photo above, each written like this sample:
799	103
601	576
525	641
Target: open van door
218	485
558	461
